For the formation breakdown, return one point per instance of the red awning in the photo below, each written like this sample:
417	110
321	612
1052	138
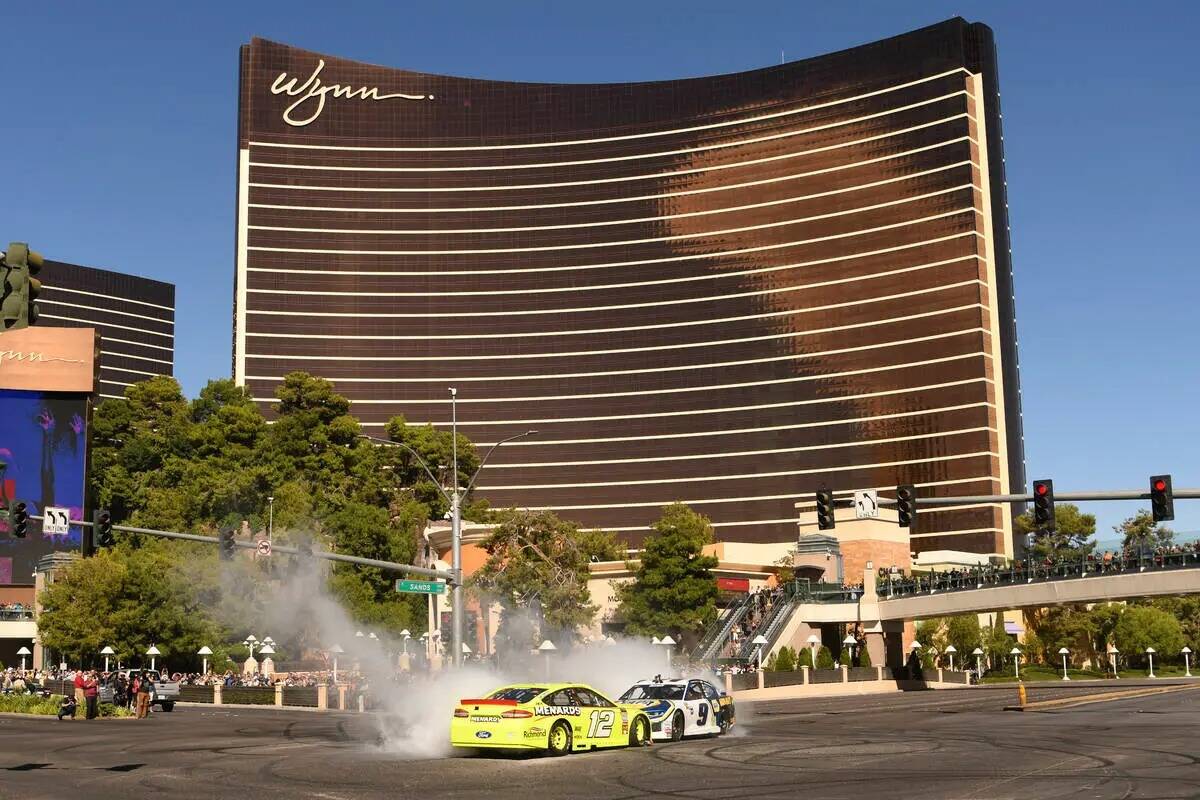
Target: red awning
734	584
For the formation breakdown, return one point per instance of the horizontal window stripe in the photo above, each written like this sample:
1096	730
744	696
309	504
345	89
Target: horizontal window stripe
739	453
130	355
626	179
623	137
539	442
639	220
658	197
954	533
625	329
692	412
649	526
113	396
636	393
699	277
112	368
795	221
108	311
683	151
744	476
51	287
108	325
622	307
643	371
110	339
736	500
650	240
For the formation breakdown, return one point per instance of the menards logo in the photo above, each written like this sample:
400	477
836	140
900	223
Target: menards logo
556	711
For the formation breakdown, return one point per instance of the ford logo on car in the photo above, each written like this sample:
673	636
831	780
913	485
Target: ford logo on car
483	734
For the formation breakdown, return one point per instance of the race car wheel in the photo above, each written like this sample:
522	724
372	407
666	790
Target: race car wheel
723	724
639	733
677	727
560	739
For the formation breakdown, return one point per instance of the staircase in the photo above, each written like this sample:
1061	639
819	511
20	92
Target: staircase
718	631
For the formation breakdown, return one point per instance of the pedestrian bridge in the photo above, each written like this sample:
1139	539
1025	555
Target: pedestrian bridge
980	591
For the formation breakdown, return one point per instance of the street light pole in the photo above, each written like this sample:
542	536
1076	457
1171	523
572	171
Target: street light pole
454	498
456	609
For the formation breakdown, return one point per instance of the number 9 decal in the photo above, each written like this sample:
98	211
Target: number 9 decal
703	713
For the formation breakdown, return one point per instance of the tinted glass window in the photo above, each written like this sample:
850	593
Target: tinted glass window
522	694
590	698
710	691
563	697
694	691
653	691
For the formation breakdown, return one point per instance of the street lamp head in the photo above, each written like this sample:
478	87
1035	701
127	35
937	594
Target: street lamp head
848	640
547	646
915	645
759	640
268	640
373	636
1112	650
609	641
252	638
204	651
1016	651
267	650
405	633
1062	651
1150	650
951	649
814	639
153	651
667	640
108	651
358	634
1186	650
978	651
336	650
24	651
655	640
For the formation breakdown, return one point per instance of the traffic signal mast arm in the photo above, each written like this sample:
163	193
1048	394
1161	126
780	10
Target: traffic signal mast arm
195	537
1115	494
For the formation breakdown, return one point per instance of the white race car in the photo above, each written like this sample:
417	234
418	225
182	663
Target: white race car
679	707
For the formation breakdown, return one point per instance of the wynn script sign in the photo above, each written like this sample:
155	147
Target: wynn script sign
48	359
312	93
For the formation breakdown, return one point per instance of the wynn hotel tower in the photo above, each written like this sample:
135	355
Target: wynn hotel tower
726	290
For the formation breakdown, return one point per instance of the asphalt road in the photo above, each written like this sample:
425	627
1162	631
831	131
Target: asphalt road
927	745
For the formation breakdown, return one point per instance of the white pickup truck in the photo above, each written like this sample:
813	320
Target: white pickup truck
164	693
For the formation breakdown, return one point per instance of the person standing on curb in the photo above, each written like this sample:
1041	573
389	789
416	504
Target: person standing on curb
91	693
143	696
79	701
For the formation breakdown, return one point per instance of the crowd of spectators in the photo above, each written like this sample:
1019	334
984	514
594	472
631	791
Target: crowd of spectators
891	582
15	611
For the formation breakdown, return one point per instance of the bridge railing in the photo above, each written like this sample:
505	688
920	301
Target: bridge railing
1179	556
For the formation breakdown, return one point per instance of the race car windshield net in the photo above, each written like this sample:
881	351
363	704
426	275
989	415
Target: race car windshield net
659	692
522	694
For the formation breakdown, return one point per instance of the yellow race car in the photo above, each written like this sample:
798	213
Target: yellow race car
556	717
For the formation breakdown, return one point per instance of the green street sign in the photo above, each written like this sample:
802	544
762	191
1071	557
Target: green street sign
420	587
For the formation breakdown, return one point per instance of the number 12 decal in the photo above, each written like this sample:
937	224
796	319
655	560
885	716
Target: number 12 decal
602	724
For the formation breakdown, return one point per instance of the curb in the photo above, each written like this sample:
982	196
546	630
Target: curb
1106	697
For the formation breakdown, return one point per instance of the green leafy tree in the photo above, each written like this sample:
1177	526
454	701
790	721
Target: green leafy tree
996	641
673	590
1141	530
1141	627
1186	609
964	633
538	563
1072	627
1072	537
864	657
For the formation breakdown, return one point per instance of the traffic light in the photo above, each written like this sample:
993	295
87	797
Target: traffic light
102	529
1162	500
906	505
1043	505
20	519
18	288
227	545
825	519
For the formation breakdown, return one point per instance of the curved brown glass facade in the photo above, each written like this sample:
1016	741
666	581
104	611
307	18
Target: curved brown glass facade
726	290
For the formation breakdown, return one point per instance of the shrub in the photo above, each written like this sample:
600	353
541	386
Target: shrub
786	661
772	661
824	658
864	657
30	704
804	658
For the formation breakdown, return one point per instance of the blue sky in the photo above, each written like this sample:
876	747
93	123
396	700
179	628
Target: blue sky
119	151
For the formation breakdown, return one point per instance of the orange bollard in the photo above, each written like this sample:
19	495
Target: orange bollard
1021	694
